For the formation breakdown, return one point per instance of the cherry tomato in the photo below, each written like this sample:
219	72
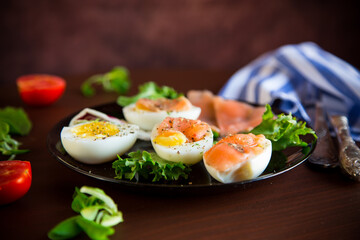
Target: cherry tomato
40	89
15	180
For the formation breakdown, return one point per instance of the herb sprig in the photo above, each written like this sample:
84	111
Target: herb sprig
13	121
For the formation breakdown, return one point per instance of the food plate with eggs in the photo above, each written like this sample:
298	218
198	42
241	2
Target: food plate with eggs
199	180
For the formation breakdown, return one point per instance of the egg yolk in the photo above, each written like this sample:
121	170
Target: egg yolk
170	138
95	129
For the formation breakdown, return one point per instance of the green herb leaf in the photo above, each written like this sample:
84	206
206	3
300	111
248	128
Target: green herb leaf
216	135
149	165
98	214
112	220
91	212
94	230
283	131
4	130
101	195
66	229
13	121
117	80
17	119
80	201
8	145
149	90
86	88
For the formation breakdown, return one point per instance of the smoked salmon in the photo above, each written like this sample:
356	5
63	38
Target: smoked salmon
229	116
160	104
194	130
238	157
181	140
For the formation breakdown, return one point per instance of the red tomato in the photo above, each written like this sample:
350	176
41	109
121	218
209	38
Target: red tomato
15	180
40	89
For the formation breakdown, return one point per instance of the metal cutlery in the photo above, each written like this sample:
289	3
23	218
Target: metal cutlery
349	152
325	154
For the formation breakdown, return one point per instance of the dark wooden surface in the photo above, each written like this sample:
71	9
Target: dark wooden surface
70	37
304	203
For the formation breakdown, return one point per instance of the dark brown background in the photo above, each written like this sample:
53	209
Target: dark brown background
73	37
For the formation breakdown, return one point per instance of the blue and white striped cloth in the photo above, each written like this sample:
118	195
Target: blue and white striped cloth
300	75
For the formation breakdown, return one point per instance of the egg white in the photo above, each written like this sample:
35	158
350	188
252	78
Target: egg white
243	171
99	150
146	120
187	153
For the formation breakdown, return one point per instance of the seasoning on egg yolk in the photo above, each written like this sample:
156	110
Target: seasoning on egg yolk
193	130
170	138
95	129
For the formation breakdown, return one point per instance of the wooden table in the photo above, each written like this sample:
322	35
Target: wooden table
303	203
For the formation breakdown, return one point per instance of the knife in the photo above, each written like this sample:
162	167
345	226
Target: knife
325	154
349	152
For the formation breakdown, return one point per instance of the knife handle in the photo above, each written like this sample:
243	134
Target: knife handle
349	152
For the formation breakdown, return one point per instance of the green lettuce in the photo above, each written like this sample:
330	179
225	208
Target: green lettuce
117	80
97	215
149	165
149	90
13	121
17	119
283	130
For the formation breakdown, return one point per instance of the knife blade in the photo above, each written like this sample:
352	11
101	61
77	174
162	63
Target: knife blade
349	152
325	154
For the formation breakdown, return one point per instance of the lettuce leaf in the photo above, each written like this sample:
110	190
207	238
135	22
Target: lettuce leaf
98	213
149	165
17	119
117	80
283	130
66	229
149	90
8	145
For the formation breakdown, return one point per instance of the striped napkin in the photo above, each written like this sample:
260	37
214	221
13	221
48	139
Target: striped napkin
298	76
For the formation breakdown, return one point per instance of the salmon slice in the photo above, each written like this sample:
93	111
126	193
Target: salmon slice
234	150
182	140
216	155
194	130
156	105
238	157
234	116
226	116
204	100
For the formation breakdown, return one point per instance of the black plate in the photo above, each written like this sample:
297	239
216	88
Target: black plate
199	180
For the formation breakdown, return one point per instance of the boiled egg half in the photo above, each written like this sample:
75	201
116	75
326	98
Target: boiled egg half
181	140
238	157
96	142
147	112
